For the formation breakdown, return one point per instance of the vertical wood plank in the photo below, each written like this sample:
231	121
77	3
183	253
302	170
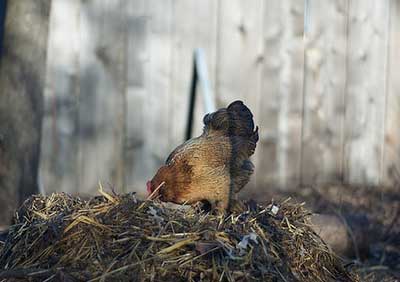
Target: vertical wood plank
281	99
365	97
137	57
157	88
239	58
324	89
59	150
391	161
194	26
101	120
240	48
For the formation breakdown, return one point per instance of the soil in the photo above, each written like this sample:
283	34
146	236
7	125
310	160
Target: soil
377	254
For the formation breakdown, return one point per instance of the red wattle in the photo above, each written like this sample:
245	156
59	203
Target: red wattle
148	184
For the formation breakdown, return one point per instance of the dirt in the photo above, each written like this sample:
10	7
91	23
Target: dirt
377	253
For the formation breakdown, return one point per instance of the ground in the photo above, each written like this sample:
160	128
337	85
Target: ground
378	253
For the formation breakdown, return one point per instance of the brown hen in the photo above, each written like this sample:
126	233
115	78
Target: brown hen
214	166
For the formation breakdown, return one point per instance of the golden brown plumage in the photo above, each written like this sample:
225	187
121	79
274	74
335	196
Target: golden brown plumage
213	166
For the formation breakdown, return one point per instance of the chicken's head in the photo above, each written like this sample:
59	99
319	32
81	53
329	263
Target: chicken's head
157	185
151	187
167	184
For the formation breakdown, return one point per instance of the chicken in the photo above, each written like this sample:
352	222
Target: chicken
214	166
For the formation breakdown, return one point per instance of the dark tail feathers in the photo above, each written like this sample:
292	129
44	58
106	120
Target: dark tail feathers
236	120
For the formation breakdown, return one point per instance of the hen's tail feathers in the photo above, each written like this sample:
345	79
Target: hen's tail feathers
235	120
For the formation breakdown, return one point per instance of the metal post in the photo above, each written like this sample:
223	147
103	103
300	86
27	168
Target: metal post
192	100
202	73
199	74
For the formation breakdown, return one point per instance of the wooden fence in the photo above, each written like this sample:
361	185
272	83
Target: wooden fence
322	78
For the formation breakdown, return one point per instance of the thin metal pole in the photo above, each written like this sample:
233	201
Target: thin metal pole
208	97
199	75
192	100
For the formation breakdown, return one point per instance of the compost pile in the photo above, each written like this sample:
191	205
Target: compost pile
119	238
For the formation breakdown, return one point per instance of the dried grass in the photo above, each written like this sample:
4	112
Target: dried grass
118	238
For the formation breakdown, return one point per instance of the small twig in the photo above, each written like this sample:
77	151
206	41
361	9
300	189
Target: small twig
151	196
106	195
155	191
178	245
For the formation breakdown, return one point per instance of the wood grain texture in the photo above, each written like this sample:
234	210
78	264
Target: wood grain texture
365	95
157	84
280	103
324	92
60	142
101	102
239	56
268	101
118	77
240	49
194	26
137	88
391	156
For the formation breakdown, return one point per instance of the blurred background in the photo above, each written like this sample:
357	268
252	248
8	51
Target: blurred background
99	91
321	77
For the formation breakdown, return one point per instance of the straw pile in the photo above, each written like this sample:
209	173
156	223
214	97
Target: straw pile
119	238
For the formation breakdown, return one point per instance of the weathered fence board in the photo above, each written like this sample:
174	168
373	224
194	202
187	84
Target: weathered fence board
320	77
137	58
60	142
239	54
157	108
324	91
239	51
280	106
365	93
101	93
194	25
391	160
268	99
